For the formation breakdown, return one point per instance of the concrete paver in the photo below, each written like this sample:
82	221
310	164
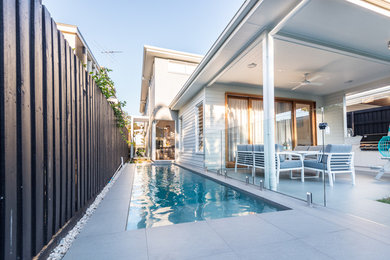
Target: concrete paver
301	233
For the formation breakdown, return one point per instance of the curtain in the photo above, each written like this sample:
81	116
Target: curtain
257	118
283	124
237	124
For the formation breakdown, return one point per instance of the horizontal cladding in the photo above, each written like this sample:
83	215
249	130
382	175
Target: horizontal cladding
188	154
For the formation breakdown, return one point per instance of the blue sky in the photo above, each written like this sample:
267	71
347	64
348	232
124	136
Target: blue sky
183	25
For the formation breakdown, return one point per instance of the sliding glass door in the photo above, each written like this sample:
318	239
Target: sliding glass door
256	121
283	124
304	125
237	122
244	120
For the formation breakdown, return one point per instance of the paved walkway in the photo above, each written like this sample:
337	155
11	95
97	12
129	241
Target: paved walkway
300	233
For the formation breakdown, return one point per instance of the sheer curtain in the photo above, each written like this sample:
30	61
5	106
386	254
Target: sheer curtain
283	124
257	118
237	124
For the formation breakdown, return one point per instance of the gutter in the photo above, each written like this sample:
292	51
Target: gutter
228	31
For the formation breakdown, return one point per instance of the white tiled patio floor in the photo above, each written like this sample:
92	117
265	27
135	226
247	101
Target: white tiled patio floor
359	200
300	233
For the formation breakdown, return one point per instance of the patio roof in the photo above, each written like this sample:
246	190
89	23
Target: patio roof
341	44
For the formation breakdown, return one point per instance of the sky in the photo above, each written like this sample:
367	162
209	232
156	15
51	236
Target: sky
127	25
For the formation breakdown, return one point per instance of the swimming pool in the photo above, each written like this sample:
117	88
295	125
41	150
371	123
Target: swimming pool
165	195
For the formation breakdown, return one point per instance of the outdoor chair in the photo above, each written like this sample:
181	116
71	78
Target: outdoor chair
337	159
244	155
284	161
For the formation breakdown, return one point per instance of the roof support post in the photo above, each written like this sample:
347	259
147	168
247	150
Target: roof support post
269	112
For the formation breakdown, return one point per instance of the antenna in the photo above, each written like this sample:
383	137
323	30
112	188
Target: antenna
111	52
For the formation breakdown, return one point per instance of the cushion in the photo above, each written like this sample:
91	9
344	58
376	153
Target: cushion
249	147
290	164
314	164
336	148
258	147
279	148
241	147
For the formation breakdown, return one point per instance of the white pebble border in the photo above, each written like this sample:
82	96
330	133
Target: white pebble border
59	252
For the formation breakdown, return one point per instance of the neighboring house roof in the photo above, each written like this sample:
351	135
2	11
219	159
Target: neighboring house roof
73	29
151	52
342	28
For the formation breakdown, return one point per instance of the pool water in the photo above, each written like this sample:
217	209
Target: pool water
170	195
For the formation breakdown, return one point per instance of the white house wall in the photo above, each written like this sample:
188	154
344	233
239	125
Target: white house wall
187	153
167	85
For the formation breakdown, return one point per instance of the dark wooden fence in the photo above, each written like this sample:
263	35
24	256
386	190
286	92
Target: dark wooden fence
59	144
369	121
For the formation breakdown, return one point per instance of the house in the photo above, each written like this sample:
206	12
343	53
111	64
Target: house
79	45
164	72
277	71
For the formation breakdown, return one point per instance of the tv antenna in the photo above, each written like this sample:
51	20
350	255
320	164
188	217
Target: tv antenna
111	52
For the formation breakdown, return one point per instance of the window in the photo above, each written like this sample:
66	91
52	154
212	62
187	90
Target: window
199	127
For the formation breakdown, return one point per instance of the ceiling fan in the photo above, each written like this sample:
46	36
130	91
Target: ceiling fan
307	81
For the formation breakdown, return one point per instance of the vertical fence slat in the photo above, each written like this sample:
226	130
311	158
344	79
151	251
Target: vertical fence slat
73	132
77	126
24	127
48	122
56	133
9	152
4	247
37	150
68	133
82	137
61	51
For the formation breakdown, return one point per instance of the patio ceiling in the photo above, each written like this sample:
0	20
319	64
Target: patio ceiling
330	71
323	37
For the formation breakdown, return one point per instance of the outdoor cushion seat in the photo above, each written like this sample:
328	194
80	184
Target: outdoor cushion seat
314	164
288	164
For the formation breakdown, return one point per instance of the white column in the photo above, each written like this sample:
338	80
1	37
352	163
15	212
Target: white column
269	112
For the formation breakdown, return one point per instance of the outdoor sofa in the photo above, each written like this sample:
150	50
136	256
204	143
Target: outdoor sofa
253	156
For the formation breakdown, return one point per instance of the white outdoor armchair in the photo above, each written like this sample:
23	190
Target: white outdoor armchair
337	159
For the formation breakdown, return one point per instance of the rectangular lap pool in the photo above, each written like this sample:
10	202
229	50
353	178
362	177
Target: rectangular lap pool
170	195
